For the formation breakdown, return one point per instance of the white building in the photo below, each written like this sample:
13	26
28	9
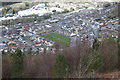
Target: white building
39	9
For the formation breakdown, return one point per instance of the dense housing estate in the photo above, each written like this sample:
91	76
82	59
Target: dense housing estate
93	22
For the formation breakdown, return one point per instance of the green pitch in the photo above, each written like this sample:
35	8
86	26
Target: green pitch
60	39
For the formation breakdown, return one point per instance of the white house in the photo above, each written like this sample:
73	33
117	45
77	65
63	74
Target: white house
48	26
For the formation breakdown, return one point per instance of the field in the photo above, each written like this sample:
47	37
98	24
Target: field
60	39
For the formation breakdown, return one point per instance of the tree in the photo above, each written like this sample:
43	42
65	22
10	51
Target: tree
17	64
27	4
60	68
72	9
3	52
97	63
13	11
65	11
4	11
47	16
58	5
54	11
46	4
95	45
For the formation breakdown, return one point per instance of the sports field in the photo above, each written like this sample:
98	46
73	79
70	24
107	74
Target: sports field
60	39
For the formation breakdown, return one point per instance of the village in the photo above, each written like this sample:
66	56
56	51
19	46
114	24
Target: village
81	24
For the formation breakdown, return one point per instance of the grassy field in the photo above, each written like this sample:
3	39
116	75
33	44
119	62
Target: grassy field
60	39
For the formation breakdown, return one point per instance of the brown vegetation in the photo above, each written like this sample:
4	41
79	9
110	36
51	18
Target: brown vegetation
41	65
110	75
109	52
6	67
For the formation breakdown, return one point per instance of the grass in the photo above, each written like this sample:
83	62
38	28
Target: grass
60	39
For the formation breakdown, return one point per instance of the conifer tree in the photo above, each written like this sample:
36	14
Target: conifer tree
95	45
97	63
17	64
61	67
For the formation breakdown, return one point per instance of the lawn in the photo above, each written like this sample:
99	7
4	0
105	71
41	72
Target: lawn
60	39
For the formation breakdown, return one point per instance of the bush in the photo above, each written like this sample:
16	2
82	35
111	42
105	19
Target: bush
97	19
65	11
72	9
39	19
112	17
47	16
27	4
58	5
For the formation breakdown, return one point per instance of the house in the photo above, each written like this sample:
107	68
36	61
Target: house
53	21
73	34
50	43
48	26
37	44
64	32
41	49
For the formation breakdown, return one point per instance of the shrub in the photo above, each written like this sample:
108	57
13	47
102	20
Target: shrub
47	16
27	4
58	5
72	9
98	19
65	11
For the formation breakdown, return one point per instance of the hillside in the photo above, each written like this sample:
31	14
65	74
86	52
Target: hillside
81	60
